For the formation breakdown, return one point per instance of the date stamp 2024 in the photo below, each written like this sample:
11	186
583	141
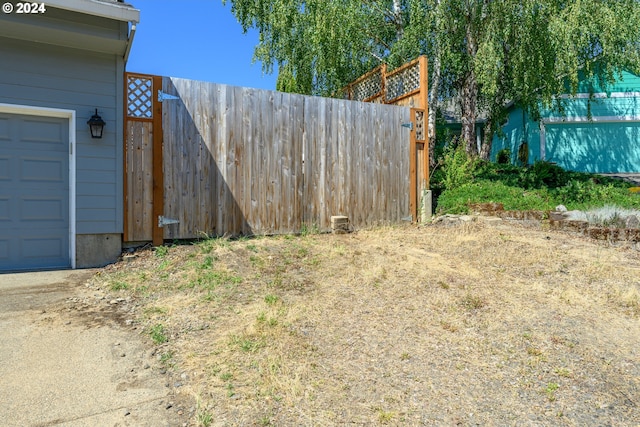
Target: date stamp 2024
23	8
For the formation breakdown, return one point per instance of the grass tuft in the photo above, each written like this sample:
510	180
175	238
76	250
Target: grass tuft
158	334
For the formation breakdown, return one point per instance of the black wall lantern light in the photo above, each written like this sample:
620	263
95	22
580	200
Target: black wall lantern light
96	125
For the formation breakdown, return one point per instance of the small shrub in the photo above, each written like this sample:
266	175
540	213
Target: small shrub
503	157
544	174
458	168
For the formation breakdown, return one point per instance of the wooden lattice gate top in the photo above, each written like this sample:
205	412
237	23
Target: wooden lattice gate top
143	178
139	96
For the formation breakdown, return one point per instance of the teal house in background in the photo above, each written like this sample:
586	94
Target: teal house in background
598	131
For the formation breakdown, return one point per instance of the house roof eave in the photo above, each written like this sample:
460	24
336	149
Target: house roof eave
105	9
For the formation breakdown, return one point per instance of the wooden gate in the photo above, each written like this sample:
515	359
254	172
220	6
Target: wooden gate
406	86
143	177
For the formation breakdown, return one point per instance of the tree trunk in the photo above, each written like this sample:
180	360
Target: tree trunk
470	90
397	13
469	107
485	151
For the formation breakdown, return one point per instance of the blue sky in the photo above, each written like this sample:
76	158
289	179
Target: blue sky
195	39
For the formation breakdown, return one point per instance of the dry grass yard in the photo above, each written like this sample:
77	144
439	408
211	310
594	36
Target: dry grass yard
473	324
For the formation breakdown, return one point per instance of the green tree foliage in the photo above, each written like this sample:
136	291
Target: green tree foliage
483	53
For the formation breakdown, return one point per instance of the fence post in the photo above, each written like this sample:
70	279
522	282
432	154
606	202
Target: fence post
383	82
424	104
413	181
158	175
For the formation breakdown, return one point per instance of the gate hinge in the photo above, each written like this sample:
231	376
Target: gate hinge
162	221
165	96
408	125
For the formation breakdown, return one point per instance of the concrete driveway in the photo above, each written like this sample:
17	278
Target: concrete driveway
64	362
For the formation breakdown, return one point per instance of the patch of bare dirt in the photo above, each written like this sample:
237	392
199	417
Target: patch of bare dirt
474	324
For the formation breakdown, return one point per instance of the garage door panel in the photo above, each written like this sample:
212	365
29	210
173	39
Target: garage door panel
49	131
4	250
5	209
5	169
43	170
42	247
43	209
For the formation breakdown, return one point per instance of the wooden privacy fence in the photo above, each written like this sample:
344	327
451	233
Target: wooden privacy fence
213	159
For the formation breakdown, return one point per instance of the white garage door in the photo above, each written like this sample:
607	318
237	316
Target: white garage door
34	192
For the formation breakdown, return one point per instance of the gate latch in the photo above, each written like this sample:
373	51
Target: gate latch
408	125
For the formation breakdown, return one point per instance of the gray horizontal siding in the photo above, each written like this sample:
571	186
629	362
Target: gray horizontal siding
65	28
60	97
35	79
48	76
93	67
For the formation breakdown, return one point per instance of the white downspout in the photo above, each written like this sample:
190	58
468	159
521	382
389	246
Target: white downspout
132	34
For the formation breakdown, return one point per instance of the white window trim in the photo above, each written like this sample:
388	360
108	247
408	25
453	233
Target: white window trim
600	95
71	116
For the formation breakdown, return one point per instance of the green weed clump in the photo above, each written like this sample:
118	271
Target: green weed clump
158	334
461	181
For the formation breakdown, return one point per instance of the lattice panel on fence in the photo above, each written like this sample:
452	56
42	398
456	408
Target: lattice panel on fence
368	87
403	82
139	97
420	135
